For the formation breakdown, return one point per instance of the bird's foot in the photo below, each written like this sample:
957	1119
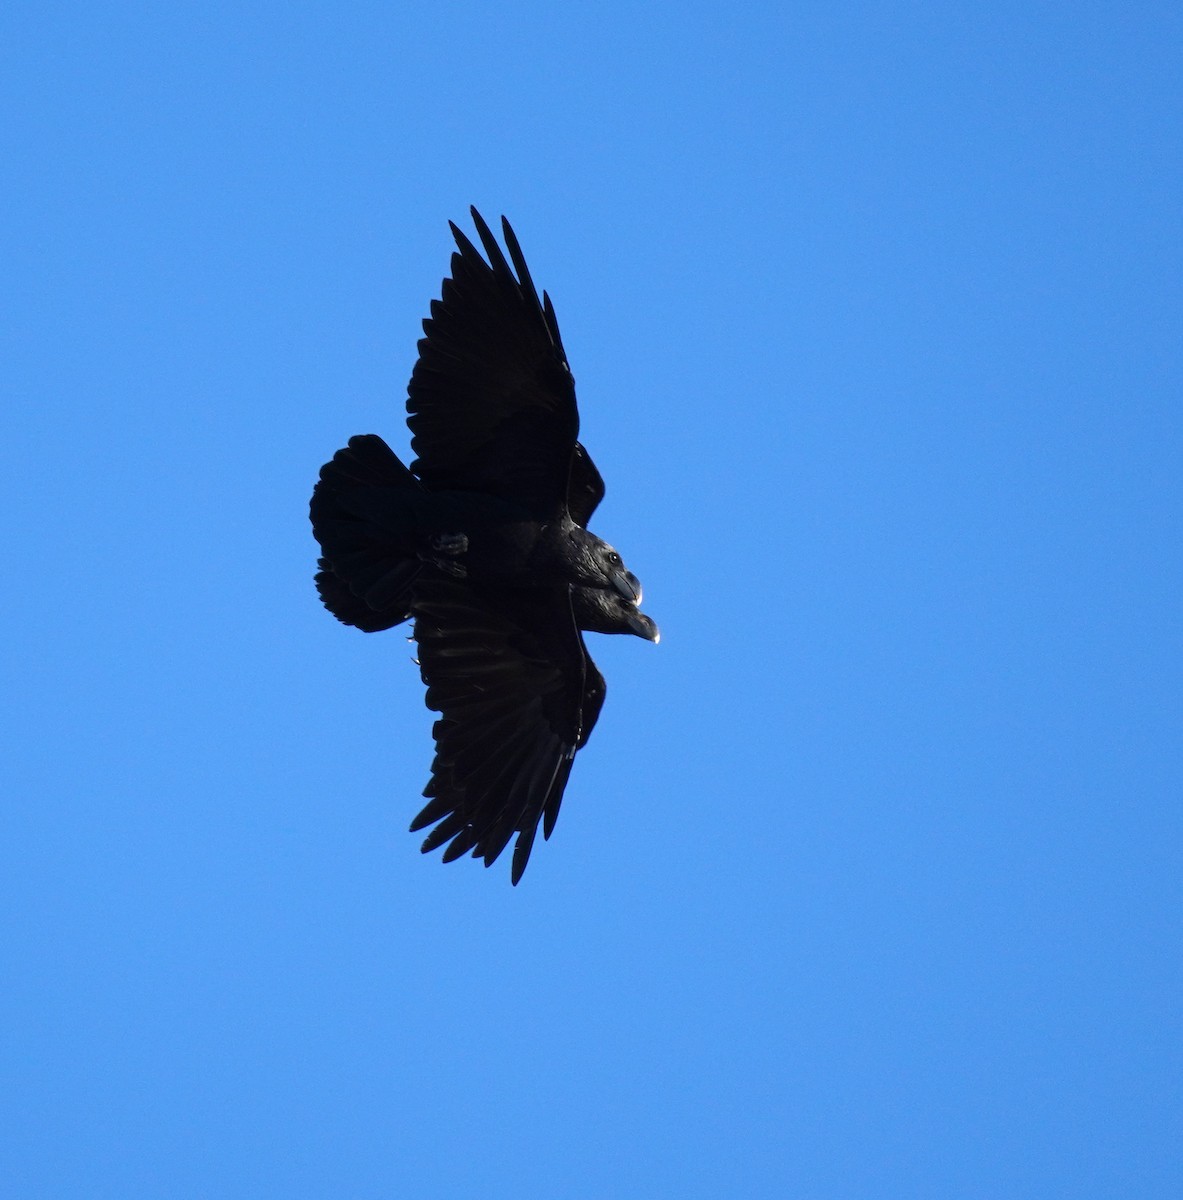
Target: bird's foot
451	544
446	548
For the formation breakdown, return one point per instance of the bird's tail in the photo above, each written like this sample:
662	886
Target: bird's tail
363	516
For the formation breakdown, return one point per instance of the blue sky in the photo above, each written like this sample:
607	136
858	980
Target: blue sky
868	883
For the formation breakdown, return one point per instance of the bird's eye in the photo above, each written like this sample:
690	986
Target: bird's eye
614	558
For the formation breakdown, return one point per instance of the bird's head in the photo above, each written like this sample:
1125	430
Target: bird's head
600	565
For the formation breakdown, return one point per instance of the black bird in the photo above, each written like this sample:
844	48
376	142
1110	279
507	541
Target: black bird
483	541
379	527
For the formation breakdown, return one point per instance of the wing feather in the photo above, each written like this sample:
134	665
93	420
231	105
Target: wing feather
491	402
517	695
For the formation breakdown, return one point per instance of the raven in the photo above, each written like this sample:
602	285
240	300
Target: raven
483	542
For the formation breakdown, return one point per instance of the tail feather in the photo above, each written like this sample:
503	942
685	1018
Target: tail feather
348	608
363	516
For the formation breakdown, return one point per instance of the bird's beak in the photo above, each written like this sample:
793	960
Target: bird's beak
628	585
644	626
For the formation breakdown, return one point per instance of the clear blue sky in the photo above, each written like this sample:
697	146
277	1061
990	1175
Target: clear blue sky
869	883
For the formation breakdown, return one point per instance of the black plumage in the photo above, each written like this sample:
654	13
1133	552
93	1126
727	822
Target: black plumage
483	542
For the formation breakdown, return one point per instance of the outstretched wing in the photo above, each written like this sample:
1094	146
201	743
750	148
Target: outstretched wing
586	487
491	402
517	695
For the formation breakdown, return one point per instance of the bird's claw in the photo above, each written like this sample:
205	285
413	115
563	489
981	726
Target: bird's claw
451	544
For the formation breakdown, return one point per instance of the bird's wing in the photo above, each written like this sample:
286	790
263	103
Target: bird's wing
491	402
586	487
517	695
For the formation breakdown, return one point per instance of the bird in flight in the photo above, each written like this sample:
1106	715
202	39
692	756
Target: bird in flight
483	542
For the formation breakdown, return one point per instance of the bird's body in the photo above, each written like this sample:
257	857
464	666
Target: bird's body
483	541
